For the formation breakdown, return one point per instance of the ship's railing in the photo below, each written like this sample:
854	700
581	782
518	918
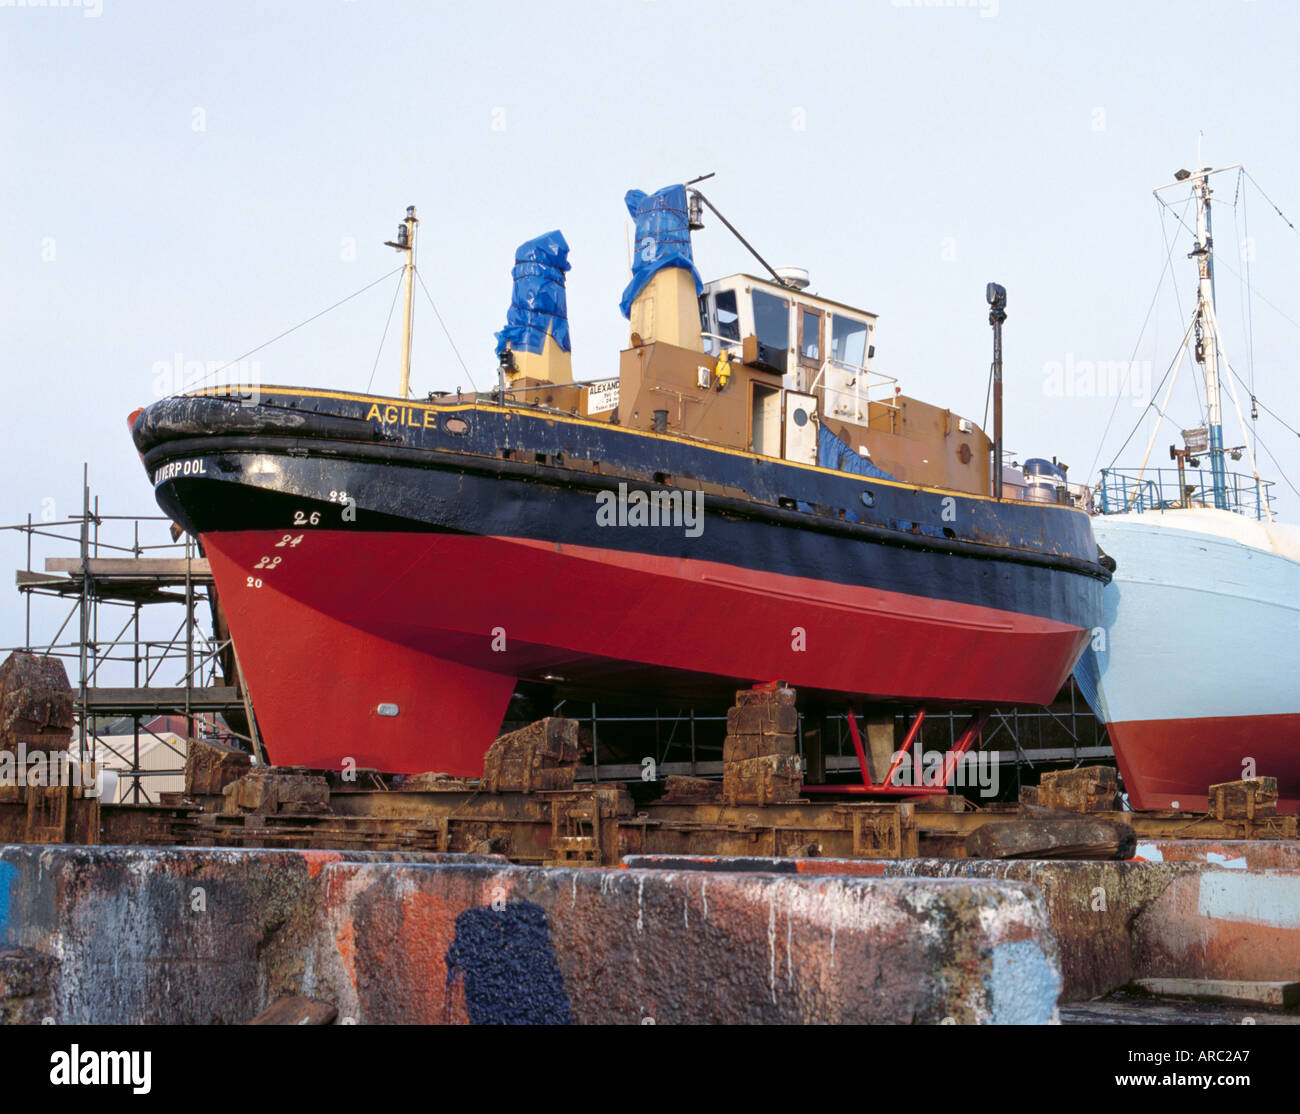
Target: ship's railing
714	343
1128	490
522	388
515	392
1080	496
847	388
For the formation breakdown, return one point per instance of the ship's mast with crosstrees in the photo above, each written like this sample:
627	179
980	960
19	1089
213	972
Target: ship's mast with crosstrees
406	242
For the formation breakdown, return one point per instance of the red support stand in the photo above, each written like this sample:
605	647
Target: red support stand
887	788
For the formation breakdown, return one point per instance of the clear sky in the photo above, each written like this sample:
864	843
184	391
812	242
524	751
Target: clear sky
183	181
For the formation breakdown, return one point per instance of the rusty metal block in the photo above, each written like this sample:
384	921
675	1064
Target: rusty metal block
35	743
47	814
211	766
84	819
747	698
759	753
763	719
680	790
268	789
542	756
35	700
1087	789
739	748
433	782
1245	799
1052	837
771	779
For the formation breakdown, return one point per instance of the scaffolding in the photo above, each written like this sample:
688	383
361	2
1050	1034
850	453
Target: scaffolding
115	574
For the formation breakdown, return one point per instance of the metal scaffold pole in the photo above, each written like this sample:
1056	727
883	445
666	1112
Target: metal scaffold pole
121	682
87	735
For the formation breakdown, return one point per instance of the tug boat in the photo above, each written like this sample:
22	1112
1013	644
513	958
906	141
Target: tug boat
1193	668
748	499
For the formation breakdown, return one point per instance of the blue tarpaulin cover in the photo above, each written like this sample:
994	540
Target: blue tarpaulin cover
537	306
837	454
663	239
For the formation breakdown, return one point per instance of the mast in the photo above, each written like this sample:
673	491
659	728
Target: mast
996	296
406	242
1205	338
1207	332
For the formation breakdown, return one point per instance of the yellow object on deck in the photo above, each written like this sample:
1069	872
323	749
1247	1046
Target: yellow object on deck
723	369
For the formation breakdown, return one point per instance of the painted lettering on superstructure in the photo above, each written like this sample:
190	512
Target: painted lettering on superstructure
410	416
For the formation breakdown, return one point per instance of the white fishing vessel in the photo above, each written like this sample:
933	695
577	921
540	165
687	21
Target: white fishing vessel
1195	669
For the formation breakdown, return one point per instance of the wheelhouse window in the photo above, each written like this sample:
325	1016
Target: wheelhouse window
771	320
848	340
728	317
810	334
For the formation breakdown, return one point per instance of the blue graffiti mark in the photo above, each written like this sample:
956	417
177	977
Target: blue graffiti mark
8	878
507	965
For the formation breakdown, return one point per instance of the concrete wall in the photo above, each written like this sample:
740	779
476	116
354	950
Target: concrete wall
119	935
160	935
1199	911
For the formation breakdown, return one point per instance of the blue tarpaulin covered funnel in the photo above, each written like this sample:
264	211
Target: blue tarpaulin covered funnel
537	306
663	239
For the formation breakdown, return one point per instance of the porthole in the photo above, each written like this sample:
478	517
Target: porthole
455	425
868	500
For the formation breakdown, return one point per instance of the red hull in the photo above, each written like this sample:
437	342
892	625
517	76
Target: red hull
442	625
1179	759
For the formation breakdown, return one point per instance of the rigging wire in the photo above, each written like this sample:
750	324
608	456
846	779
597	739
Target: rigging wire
1260	403
1270	201
1276	465
1243	298
1166	269
988	394
1151	404
1169	246
392	306
1220	262
1250	319
1246	282
298	326
445	330
1202	405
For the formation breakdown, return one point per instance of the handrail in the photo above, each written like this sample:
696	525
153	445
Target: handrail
1128	490
723	342
861	388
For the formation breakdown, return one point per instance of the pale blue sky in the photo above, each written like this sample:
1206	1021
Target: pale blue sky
904	153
